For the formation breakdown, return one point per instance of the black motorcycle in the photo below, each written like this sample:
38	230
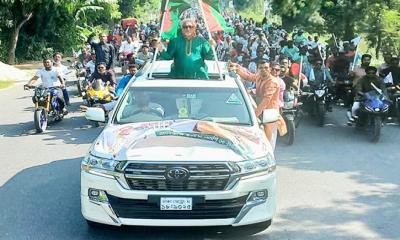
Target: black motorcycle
316	102
82	76
47	108
292	114
374	108
395	97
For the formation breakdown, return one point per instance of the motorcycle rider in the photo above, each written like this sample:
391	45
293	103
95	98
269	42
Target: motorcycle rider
123	82
321	75
359	71
128	47
364	85
107	76
63	70
91	65
50	78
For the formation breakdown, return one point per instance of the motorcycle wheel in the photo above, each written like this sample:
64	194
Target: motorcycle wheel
298	117
375	129
321	109
96	105
291	132
41	119
79	87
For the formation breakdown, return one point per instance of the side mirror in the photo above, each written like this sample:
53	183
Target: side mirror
95	114
270	116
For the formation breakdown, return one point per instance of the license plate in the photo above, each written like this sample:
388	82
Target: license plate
175	204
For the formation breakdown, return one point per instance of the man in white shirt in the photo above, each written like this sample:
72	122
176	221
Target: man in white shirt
50	78
63	70
128	47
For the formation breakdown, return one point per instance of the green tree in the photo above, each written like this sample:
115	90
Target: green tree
14	14
294	12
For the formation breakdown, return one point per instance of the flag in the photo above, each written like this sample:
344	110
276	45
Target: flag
356	41
389	78
172	17
215	20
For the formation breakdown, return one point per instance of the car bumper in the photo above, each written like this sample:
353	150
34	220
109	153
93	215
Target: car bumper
252	209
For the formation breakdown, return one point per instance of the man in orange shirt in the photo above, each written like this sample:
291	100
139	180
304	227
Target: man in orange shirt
267	94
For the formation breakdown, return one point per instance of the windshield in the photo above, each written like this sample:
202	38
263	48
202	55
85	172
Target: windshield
221	105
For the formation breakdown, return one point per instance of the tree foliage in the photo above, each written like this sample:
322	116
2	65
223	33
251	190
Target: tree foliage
51	26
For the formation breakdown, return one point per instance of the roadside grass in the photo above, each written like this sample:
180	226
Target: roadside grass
6	84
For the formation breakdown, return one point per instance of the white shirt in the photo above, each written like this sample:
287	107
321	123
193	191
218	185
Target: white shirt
91	65
132	47
62	70
49	78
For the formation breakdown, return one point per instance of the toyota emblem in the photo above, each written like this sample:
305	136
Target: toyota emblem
177	174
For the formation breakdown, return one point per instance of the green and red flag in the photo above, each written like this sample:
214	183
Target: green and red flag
215	20
172	14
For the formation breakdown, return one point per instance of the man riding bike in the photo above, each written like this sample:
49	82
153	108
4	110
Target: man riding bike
50	78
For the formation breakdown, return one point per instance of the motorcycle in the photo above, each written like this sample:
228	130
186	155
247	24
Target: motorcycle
373	110
292	115
315	102
98	94
82	76
395	96
47	108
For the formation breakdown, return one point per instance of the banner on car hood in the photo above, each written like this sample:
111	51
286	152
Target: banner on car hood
118	140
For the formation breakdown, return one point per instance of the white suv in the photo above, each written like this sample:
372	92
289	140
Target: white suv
180	153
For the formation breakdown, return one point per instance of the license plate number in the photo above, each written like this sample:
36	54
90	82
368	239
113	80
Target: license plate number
175	204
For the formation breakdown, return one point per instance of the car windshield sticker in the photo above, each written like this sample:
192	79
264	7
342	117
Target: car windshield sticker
195	106
183	113
191	96
233	99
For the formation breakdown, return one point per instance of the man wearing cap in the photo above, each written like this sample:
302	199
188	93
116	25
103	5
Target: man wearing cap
189	53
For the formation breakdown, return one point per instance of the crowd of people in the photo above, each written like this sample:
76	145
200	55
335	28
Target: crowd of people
268	56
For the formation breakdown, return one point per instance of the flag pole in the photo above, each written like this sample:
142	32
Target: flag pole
334	38
301	66
210	37
159	36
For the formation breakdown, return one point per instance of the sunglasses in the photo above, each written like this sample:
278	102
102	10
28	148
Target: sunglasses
100	67
276	69
187	26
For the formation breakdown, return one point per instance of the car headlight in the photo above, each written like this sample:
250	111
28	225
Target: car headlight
264	164
100	166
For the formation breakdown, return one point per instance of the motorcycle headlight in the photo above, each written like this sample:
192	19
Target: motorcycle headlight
320	93
264	164
100	166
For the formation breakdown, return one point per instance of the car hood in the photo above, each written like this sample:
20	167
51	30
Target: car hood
182	140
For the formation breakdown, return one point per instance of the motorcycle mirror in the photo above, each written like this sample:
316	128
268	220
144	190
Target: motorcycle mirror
270	116
95	114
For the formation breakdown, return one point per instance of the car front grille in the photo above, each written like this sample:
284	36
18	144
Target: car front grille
206	209
202	177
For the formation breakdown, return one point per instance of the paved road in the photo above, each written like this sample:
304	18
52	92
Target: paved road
333	183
